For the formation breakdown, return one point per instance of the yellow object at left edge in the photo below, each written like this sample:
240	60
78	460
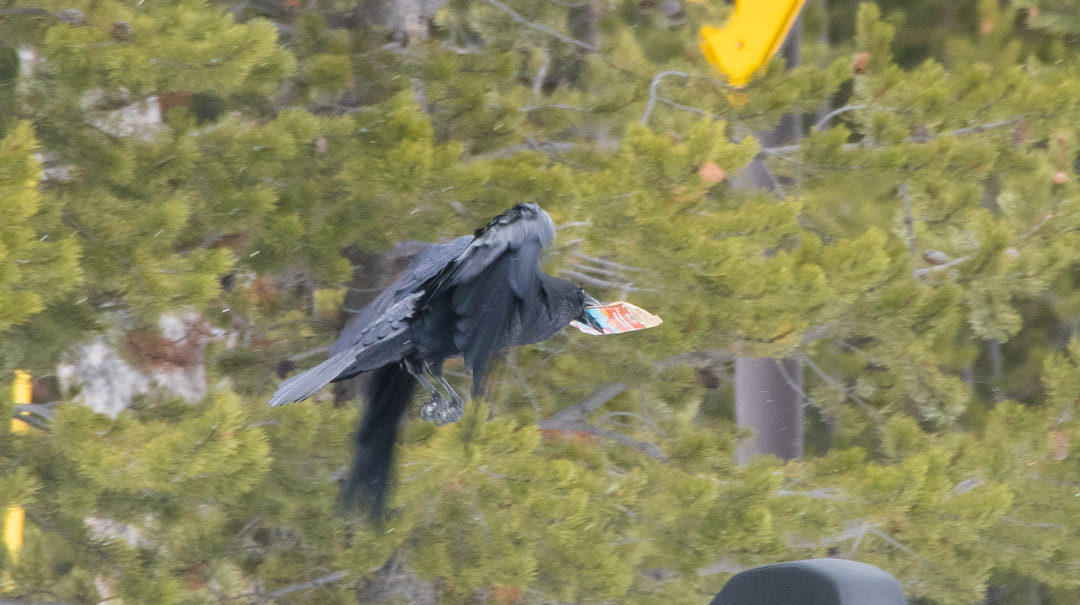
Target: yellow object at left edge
15	516
752	35
14	519
21	392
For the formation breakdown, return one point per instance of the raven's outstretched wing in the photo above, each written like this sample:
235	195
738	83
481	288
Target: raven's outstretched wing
525	228
425	265
493	281
381	341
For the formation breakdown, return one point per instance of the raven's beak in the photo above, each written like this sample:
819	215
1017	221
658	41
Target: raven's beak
586	318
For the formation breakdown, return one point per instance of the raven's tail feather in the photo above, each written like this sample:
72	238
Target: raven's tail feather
302	386
389	391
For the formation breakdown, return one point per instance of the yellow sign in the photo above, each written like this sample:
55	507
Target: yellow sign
13	531
15	517
752	35
21	392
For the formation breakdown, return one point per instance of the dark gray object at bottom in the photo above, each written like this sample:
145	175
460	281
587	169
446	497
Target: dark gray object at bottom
813	582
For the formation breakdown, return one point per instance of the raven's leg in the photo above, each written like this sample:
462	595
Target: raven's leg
417	370
439	411
455	409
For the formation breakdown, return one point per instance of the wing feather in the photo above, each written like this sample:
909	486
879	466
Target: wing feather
380	342
523	226
492	281
424	266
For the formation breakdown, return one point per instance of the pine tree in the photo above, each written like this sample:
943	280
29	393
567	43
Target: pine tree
919	264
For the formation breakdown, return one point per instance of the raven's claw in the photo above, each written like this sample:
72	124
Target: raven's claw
441	412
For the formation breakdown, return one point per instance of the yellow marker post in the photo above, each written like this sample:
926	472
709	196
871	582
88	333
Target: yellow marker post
21	392
15	517
752	35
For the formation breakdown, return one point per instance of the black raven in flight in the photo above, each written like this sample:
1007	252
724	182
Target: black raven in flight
471	296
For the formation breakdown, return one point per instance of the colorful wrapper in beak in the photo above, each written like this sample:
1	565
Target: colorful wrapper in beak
615	318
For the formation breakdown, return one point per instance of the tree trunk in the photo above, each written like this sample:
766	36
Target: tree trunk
408	20
768	392
768	401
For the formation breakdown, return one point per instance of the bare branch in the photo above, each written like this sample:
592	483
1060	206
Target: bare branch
697	110
905	200
976	129
329	578
924	271
581	410
574	418
832	114
30	602
529	108
570	225
725	566
650	449
541	73
541	28
839	386
599	272
652	91
25	10
595	281
984	127
820	493
877	532
596	260
511	362
639	417
309	353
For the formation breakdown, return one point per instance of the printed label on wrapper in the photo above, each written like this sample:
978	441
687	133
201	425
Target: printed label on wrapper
618	318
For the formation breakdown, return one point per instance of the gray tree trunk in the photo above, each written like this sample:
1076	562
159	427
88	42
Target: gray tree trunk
768	401
407	19
769	392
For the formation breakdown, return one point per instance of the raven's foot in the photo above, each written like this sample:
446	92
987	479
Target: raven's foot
440	411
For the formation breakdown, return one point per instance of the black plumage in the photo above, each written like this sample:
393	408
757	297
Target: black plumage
468	297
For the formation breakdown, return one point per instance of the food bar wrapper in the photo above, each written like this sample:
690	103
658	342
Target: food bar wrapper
617	318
